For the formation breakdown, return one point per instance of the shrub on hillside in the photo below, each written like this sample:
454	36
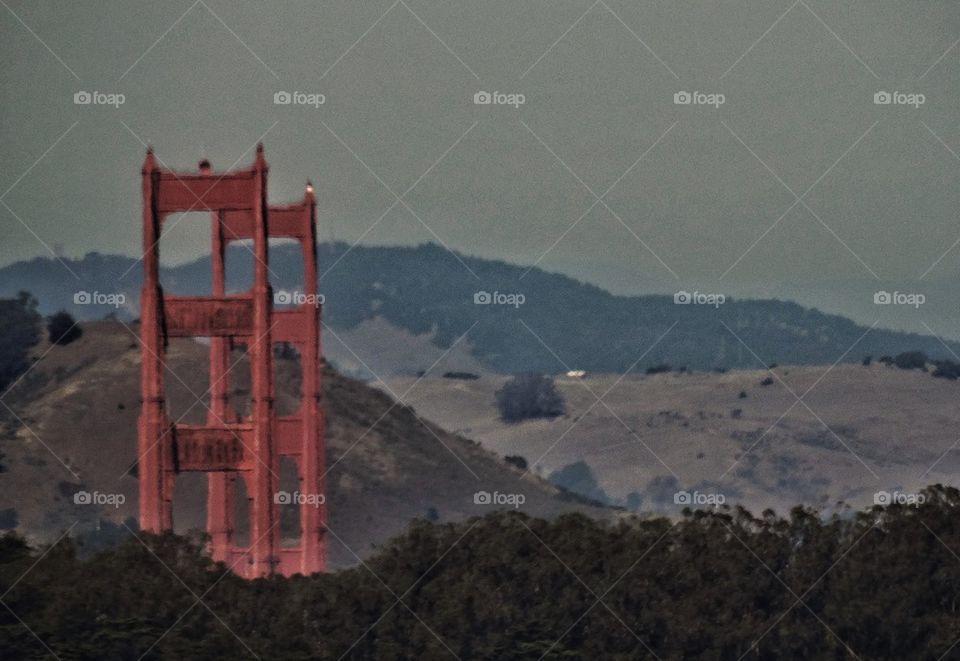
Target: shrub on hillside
463	376
947	369
516	460
62	329
911	360
527	396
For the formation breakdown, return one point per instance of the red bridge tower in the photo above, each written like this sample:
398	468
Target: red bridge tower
229	447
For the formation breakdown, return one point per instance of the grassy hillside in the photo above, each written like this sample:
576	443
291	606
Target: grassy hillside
867	429
72	426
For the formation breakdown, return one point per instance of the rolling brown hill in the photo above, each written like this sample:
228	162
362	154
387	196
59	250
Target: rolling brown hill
742	433
70	424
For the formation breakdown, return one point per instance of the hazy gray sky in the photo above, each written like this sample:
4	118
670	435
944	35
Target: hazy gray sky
711	203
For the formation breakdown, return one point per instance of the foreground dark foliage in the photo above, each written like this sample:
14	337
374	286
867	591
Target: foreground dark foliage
19	330
883	584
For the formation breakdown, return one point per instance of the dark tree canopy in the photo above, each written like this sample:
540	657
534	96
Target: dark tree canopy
881	584
527	396
19	330
516	460
62	329
911	360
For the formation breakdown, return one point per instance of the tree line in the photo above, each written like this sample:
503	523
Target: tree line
719	584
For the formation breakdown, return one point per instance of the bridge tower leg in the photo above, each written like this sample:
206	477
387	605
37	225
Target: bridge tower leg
154	447
313	518
220	484
263	475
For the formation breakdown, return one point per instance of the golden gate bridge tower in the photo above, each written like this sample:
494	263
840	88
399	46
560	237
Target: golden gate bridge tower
229	447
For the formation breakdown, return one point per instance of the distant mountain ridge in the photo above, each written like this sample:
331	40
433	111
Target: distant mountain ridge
551	322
